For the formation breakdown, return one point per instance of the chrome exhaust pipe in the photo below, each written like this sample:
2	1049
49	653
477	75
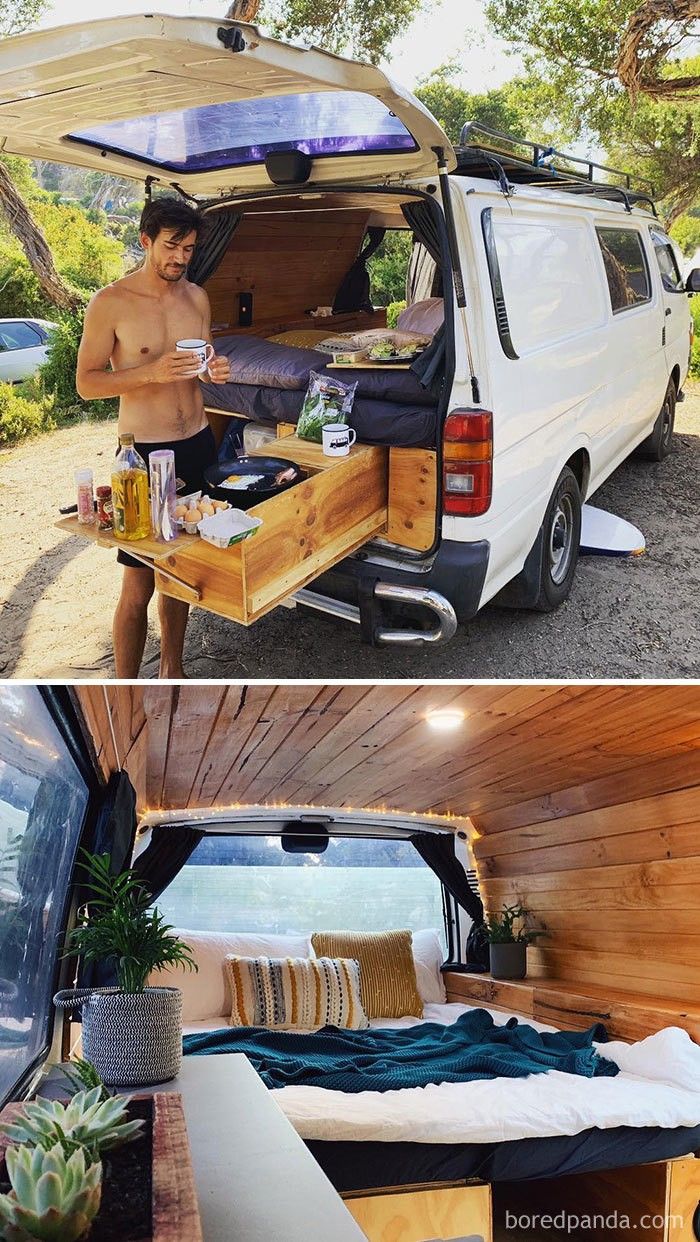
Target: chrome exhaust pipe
423	597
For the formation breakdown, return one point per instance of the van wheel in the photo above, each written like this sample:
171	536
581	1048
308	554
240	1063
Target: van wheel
560	539
657	446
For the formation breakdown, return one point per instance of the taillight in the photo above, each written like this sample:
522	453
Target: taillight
467	463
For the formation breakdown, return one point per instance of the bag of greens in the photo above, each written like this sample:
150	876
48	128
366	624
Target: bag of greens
327	400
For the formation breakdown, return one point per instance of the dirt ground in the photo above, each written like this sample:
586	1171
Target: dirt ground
625	618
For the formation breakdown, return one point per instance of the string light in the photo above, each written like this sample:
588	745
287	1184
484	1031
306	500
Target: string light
154	815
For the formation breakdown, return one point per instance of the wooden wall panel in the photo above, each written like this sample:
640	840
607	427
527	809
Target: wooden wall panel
614	878
291	263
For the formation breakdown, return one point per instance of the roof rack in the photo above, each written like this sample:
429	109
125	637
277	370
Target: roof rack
480	148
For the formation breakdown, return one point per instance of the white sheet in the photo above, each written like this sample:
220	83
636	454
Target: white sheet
659	1085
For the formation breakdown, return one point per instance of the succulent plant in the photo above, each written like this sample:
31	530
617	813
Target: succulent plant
83	1076
87	1119
53	1198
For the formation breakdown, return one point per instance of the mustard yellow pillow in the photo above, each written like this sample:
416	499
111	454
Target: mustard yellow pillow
388	984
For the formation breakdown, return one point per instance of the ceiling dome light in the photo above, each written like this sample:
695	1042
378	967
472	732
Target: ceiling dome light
445	719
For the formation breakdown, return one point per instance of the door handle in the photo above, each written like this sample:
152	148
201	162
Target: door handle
668	310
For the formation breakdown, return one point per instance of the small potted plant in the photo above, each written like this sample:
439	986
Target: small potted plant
132	1034
54	1196
508	940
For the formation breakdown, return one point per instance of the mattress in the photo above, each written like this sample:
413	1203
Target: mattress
268	383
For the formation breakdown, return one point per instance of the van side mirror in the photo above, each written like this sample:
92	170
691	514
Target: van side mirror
692	284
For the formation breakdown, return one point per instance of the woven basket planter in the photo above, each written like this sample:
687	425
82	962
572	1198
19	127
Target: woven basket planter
132	1039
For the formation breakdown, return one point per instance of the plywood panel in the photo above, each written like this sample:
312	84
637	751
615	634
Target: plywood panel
412	497
420	1215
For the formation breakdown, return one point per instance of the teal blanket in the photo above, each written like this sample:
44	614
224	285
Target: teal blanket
386	1060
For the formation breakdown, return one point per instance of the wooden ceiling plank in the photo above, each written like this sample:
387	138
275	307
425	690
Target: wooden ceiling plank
663	872
671	842
659	811
316	730
191	725
158	704
94	707
286	705
675	771
240	713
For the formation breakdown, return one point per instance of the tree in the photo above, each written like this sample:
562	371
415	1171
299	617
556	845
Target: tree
15	17
359	28
591	51
525	107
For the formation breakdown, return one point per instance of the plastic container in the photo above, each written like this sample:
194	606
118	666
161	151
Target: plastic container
237	527
86	499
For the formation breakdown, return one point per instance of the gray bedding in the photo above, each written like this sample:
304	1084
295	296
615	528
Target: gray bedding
268	383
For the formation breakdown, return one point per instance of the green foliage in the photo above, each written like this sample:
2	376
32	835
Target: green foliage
359	28
19	15
57	374
686	231
501	928
695	355
388	266
21	418
83	1076
118	926
54	1197
88	1120
526	106
393	311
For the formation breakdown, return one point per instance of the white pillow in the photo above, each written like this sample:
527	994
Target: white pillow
207	993
428	955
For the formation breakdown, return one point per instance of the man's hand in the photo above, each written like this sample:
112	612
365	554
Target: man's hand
179	364
219	369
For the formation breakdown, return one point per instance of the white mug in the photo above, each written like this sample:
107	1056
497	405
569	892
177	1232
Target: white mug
200	348
337	439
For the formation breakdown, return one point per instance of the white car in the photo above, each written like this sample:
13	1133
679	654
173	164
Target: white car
23	347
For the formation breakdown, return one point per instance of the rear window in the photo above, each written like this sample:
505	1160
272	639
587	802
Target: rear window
625	267
671	278
43	800
226	135
249	884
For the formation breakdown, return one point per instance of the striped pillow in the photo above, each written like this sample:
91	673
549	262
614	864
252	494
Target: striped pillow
300	993
388	985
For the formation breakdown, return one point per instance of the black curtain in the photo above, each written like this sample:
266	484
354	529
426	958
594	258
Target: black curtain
212	245
165	855
114	833
437	849
429	367
353	294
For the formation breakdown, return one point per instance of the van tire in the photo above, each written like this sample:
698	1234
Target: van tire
658	445
559	537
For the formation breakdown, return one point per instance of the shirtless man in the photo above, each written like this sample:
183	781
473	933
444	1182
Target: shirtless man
133	325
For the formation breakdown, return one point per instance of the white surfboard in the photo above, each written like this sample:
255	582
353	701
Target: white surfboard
604	534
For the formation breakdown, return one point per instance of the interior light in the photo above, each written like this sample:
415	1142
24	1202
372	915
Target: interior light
445	719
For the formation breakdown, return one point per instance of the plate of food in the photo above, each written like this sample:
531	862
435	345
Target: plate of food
387	352
247	480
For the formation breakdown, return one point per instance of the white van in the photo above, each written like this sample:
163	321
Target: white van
566	334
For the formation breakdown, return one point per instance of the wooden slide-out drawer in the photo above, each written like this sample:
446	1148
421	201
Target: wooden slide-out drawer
339	506
430	1213
654	1202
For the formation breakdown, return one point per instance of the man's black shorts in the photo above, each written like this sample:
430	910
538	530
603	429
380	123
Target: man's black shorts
192	456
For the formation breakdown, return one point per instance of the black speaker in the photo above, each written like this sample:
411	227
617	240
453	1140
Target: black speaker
245	310
288	167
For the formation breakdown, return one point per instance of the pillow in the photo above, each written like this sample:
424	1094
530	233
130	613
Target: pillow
428	956
207	993
426	317
387	974
292	993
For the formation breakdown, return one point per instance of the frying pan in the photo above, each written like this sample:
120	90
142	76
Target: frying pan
267	487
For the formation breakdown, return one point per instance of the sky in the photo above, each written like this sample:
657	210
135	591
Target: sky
448	27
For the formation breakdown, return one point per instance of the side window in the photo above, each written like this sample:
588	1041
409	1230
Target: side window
541	279
19	336
625	267
671	278
43	800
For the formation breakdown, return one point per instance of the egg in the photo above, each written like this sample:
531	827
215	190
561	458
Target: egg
220	504
193	515
208	509
180	511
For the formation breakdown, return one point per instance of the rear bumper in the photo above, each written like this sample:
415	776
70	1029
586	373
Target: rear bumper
457	573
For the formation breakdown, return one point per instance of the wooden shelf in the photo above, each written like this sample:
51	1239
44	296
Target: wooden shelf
627	1015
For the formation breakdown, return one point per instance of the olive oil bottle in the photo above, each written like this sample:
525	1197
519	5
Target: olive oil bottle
131	513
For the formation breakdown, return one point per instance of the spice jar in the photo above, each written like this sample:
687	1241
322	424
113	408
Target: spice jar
86	501
104	508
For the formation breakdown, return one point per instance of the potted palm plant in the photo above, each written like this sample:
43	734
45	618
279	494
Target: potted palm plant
132	1033
508	939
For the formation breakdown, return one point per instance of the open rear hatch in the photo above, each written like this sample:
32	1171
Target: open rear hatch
202	102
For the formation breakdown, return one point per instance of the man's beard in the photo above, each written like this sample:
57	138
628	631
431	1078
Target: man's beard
170	274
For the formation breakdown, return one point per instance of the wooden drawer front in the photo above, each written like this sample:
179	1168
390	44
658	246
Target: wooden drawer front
412	497
305	530
442	1214
649	1203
